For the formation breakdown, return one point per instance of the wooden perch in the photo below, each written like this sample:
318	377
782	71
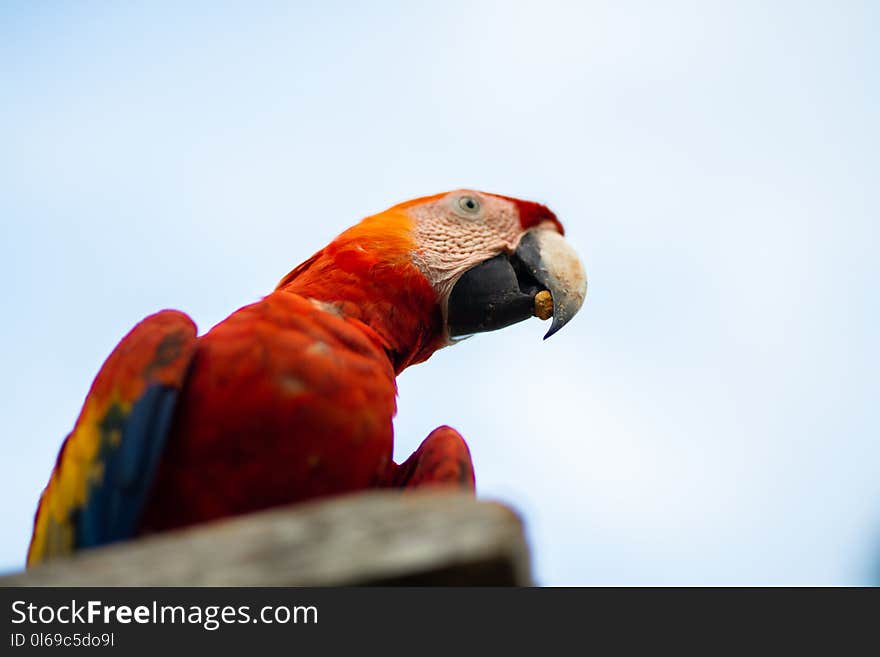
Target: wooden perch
373	538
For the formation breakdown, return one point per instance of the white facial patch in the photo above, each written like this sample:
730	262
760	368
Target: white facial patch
452	240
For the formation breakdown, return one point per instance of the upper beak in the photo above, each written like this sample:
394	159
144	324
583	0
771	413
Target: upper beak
501	291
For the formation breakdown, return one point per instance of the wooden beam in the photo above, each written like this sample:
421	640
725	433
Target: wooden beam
373	538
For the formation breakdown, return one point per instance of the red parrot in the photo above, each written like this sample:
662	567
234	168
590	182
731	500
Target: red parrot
291	398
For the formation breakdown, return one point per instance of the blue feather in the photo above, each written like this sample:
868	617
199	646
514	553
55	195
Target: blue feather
115	504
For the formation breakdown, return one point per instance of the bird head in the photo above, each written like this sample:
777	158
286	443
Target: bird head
447	266
488	256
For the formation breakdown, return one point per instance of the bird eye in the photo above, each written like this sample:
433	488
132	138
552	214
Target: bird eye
469	205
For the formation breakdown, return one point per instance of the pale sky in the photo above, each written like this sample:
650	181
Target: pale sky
710	417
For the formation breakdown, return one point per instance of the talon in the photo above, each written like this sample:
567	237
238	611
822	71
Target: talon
443	459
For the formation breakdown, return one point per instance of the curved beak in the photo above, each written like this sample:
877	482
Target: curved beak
507	289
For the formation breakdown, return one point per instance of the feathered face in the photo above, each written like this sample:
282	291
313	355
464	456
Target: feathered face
488	256
434	269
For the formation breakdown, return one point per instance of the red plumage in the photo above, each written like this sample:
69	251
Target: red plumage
284	402
290	398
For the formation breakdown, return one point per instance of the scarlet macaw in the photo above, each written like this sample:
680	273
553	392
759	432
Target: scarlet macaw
292	397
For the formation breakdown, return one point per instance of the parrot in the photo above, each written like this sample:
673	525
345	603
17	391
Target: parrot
291	398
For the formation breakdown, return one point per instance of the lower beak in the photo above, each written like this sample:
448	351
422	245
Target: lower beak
502	290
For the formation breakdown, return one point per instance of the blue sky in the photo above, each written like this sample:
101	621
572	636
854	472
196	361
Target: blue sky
711	415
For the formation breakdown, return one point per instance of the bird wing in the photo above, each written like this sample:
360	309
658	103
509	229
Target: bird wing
107	464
